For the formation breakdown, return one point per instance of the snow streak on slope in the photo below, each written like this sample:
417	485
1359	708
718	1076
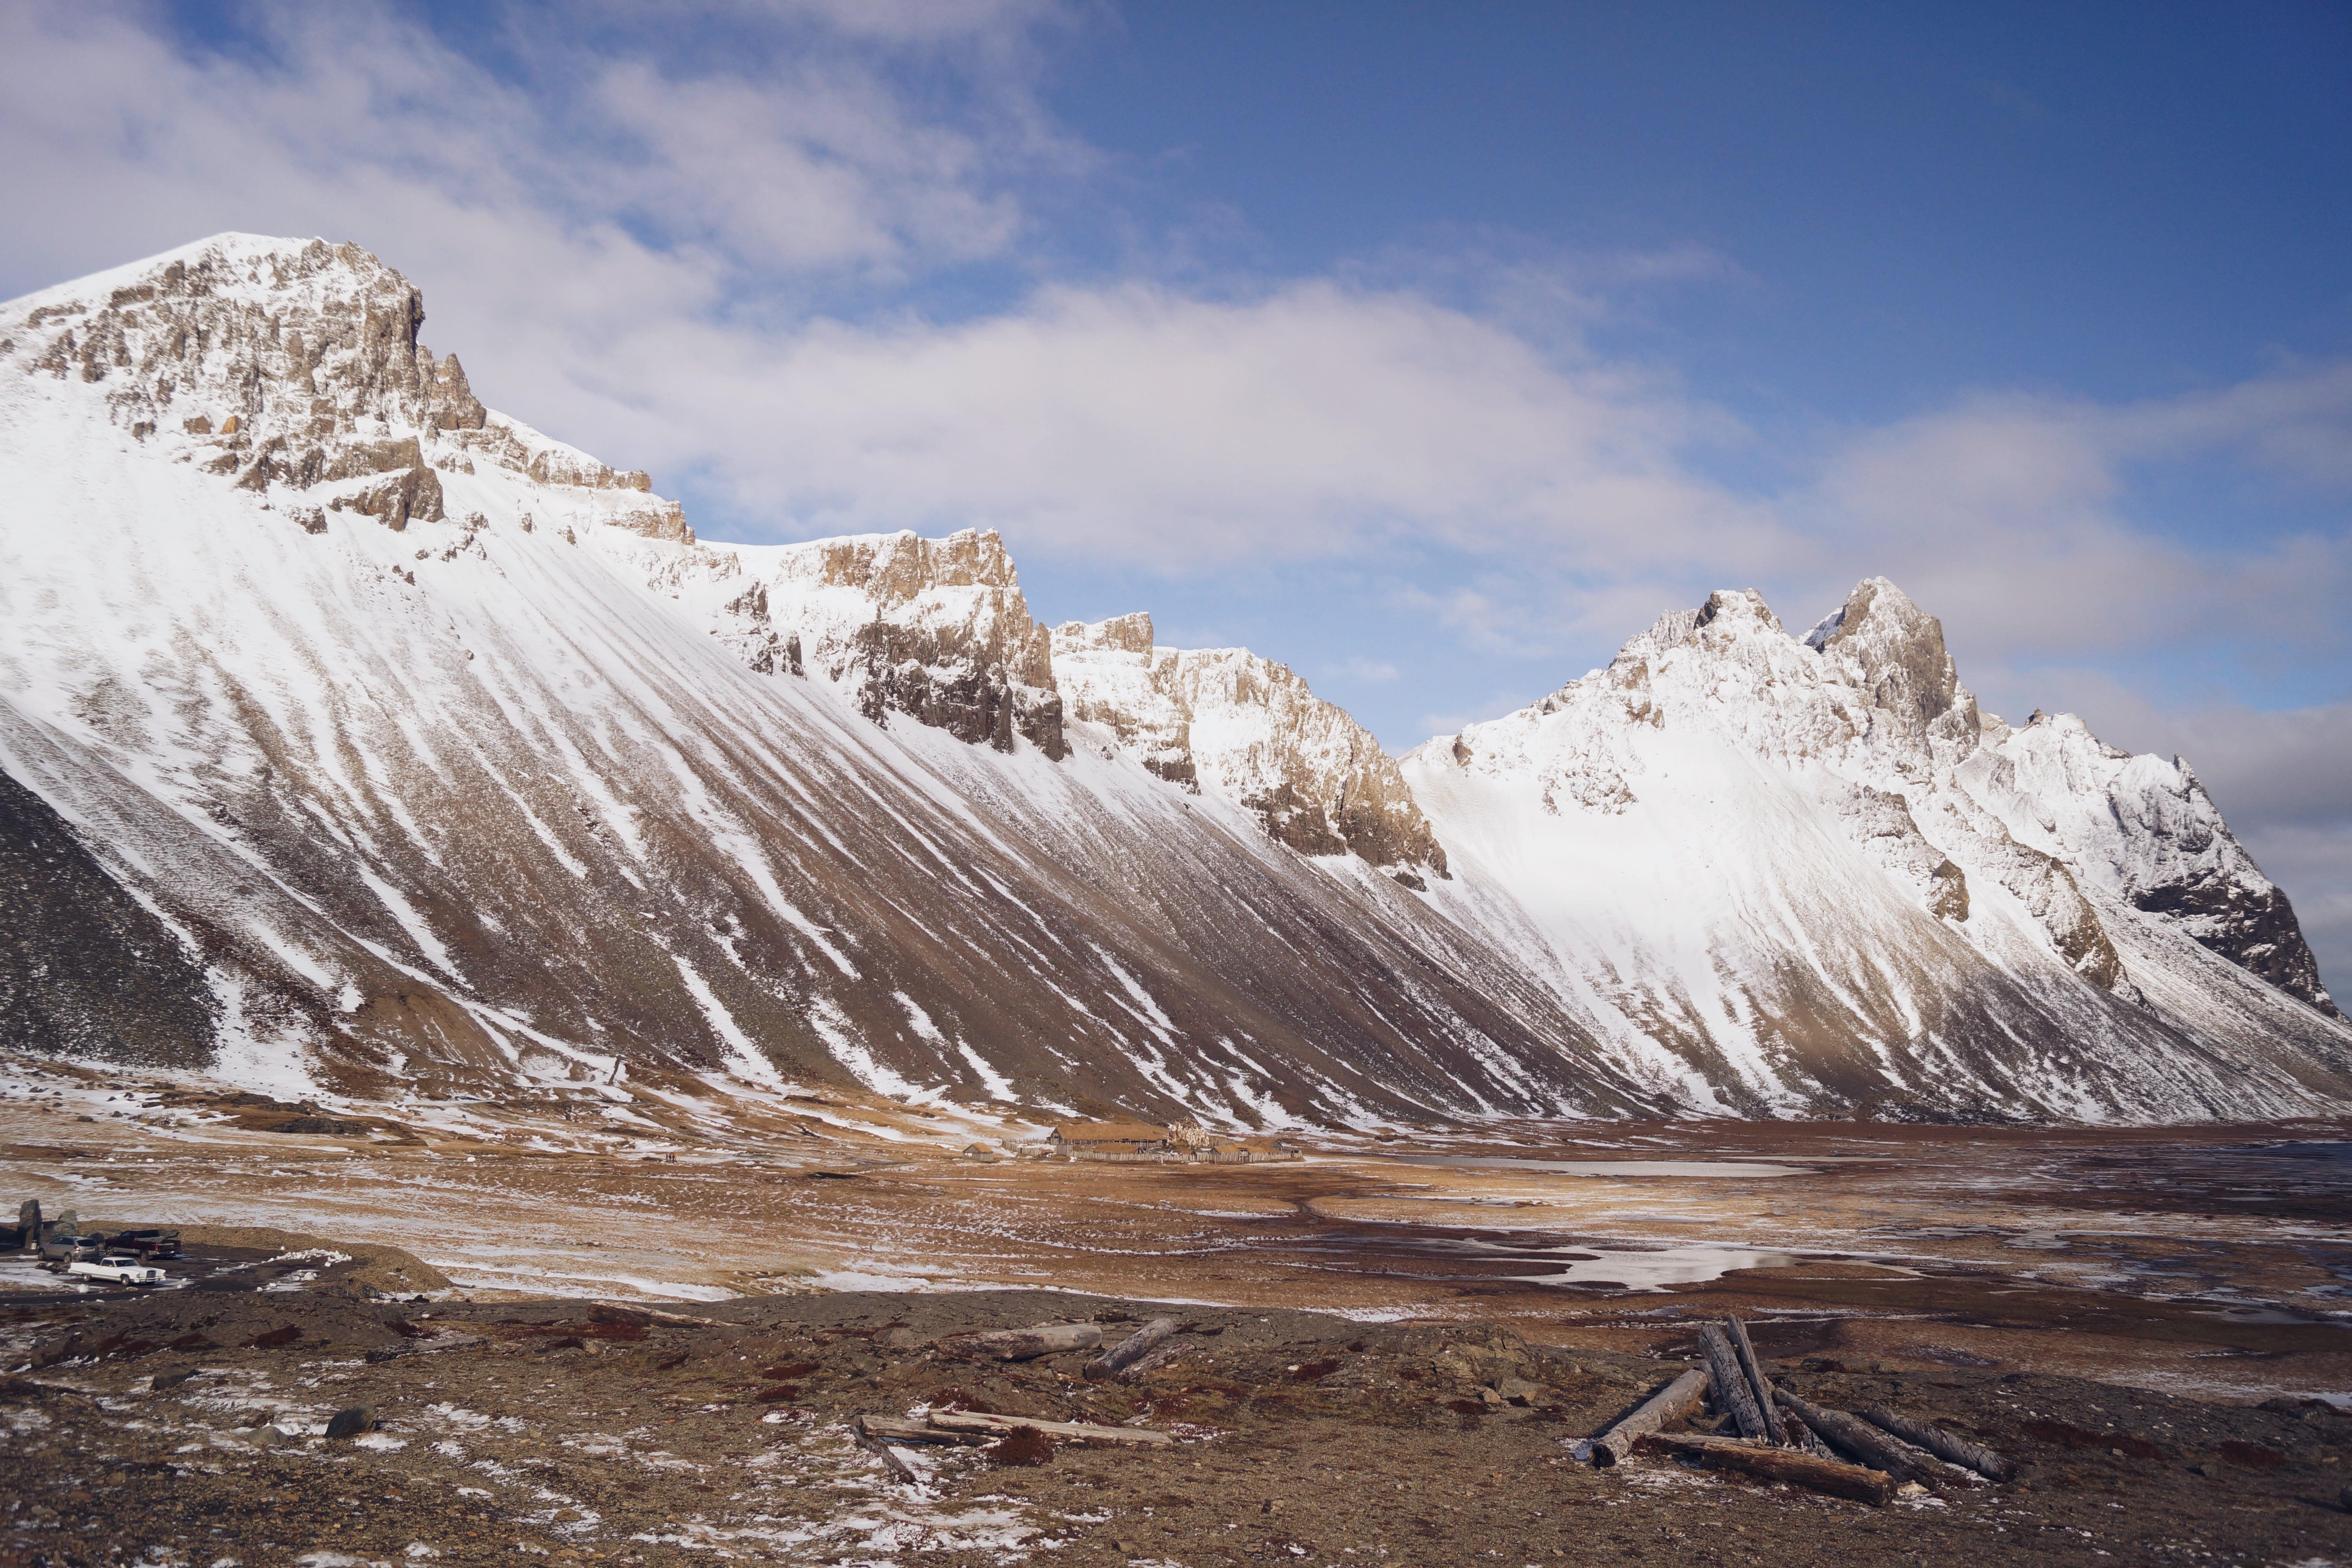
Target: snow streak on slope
1811	874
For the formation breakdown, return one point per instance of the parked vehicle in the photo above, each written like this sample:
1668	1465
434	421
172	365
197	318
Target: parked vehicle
67	1246
118	1268
149	1243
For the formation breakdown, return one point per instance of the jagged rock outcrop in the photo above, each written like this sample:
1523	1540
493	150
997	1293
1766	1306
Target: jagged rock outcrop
1246	730
2143	830
936	629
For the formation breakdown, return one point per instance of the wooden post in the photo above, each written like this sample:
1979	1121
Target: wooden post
1758	1382
1942	1444
1859	1439
1131	1349
1151	1363
892	1429
1834	1477
1668	1404
1804	1437
1731	1389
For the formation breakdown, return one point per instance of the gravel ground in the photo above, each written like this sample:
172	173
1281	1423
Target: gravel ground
189	1428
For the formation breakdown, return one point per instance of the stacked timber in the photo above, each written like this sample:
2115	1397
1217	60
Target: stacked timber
1785	1437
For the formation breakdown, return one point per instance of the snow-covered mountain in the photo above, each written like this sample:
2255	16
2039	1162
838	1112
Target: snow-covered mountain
1815	873
360	735
357	735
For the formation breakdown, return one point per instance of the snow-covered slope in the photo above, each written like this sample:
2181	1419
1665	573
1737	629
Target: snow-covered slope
355	735
1810	873
442	771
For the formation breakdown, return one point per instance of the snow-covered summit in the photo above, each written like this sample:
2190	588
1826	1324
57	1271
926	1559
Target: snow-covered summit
293	367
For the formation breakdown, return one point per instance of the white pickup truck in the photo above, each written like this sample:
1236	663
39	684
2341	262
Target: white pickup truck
120	1268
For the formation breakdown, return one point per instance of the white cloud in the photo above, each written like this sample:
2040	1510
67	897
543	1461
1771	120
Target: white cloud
1134	423
2014	517
633	250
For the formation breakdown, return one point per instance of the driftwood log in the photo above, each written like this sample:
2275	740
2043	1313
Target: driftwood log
1133	1348
1028	1344
1060	1431
1834	1476
1947	1446
1668	1404
1860	1441
1757	1383
875	1446
1731	1390
1151	1363
892	1429
1804	1437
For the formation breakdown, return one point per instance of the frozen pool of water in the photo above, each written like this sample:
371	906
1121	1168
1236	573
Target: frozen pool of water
1657	1270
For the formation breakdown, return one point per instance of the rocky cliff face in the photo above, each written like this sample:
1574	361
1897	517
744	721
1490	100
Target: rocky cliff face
933	628
1247	729
294	371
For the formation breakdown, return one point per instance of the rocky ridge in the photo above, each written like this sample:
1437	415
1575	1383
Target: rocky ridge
1244	729
495	797
936	629
295	370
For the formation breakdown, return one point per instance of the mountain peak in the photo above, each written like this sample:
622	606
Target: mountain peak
1735	611
294	365
1901	652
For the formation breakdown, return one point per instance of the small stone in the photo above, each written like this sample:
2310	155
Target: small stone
349	1422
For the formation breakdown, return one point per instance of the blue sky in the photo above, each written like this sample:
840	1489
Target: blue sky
1431	349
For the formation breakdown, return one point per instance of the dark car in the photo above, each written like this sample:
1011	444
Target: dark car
147	1243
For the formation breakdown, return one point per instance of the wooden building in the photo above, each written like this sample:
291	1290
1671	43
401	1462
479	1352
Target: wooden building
1109	1138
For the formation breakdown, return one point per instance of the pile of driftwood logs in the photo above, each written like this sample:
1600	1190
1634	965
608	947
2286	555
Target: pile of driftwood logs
972	1427
1785	1438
